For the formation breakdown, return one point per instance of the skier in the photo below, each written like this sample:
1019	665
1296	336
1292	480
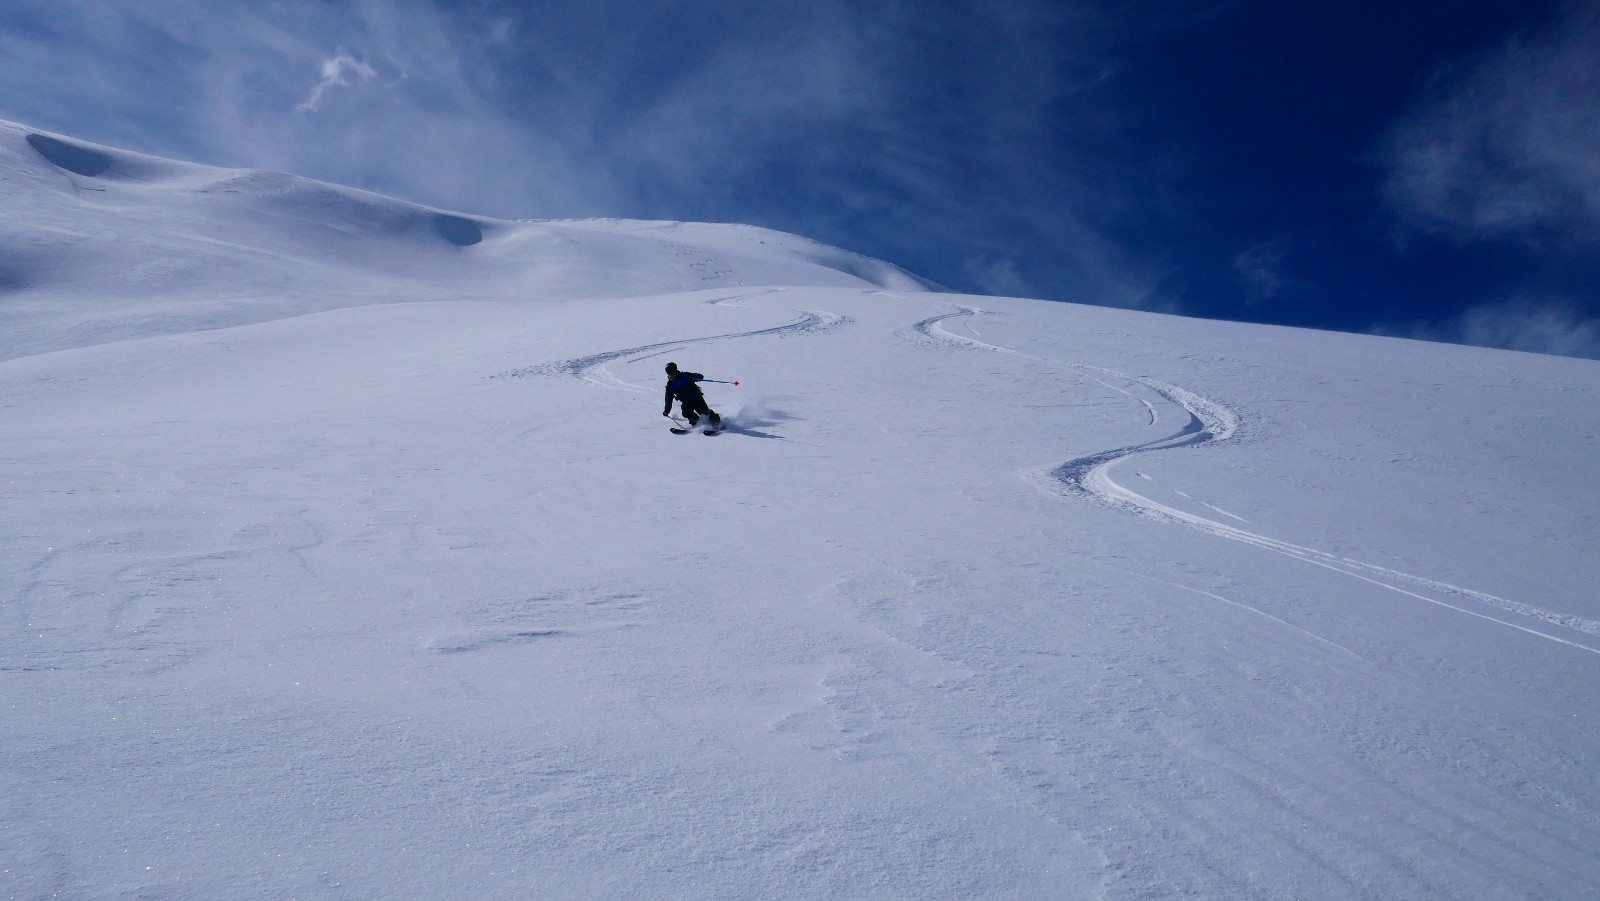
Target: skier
681	385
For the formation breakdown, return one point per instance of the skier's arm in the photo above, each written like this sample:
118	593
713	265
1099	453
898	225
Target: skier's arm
667	410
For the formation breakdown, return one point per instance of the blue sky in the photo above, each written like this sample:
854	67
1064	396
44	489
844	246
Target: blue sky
1422	169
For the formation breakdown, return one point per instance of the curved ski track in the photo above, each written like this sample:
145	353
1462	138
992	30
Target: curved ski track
592	368
1210	422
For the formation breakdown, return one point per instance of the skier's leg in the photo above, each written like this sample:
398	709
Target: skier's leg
699	407
690	414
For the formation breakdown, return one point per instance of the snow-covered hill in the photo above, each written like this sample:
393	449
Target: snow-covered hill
101	244
346	555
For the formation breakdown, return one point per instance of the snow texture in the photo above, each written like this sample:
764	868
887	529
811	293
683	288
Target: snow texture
345	554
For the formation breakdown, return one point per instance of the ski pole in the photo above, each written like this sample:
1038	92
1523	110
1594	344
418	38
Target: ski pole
734	383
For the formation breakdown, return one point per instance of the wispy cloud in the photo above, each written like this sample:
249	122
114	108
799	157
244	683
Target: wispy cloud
337	70
921	133
1507	148
1538	325
1260	270
999	277
233	84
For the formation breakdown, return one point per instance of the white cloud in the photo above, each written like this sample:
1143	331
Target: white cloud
1537	325
905	131
999	277
1509	148
336	72
1260	269
231	84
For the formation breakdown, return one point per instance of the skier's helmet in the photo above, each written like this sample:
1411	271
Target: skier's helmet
672	369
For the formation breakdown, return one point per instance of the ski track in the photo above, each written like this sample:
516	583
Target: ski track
933	328
734	300
1256	610
1210	422
593	367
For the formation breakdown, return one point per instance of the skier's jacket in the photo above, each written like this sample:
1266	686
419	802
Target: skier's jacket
682	387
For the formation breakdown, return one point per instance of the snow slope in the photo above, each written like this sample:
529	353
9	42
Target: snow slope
147	246
343	559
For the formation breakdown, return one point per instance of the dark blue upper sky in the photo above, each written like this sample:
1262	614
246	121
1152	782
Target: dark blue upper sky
1425	169
1281	113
